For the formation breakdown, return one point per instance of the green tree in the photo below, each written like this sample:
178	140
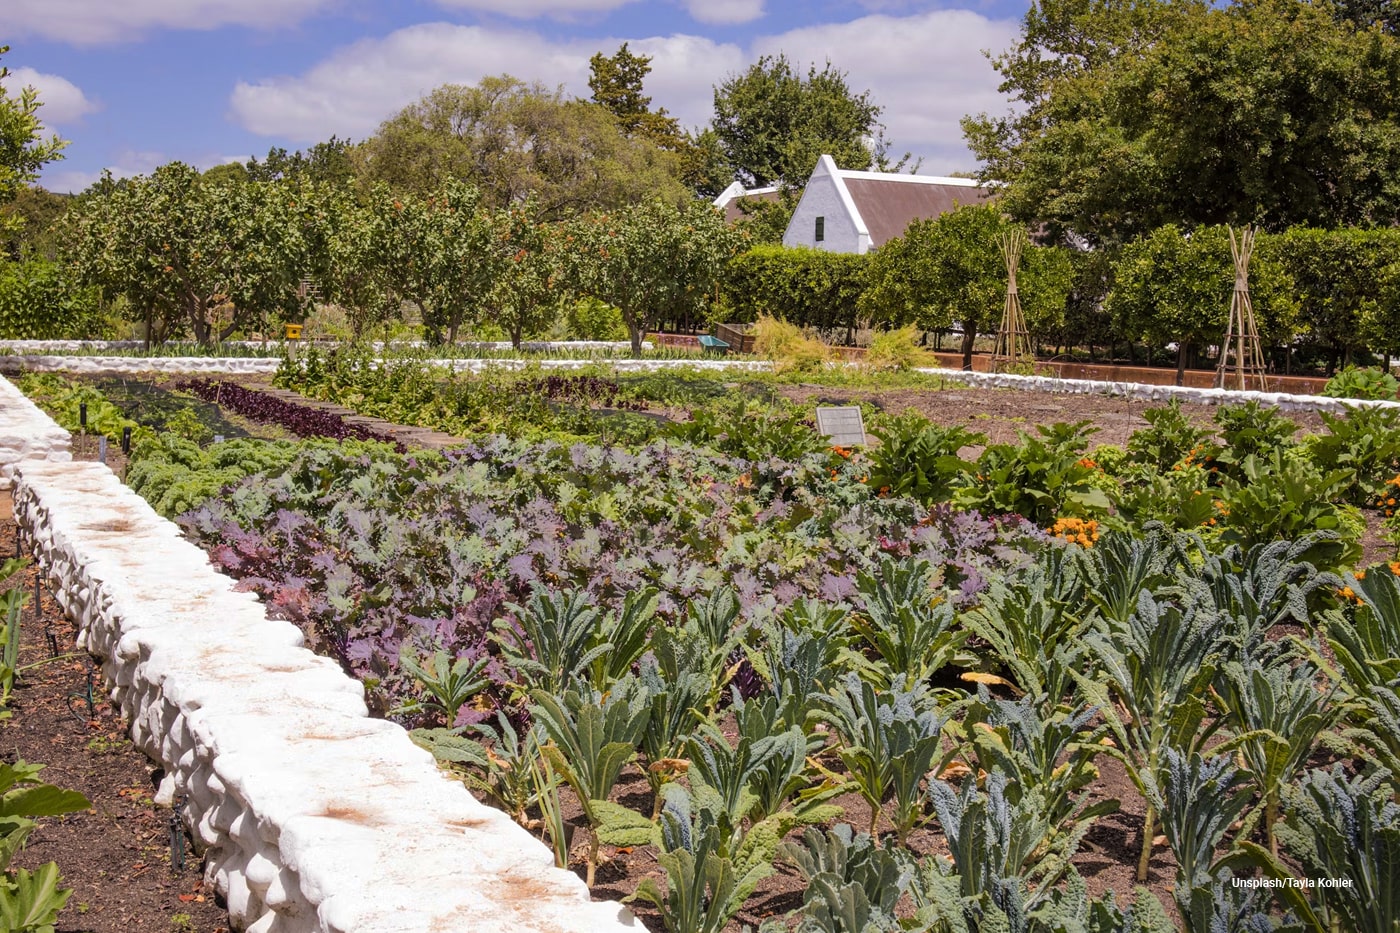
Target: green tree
357	266
23	151
27	222
332	162
445	255
651	259
187	252
531	287
1346	287
616	83
703	166
228	173
1130	116
773	124
950	269
1171	287
515	140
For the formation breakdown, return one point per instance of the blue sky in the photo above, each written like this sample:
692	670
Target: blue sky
136	83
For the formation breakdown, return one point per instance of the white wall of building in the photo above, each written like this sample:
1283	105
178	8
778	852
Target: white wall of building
825	196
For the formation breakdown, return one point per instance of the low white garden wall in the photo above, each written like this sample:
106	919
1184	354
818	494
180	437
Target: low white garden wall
73	346
1154	393
312	816
26	433
103	365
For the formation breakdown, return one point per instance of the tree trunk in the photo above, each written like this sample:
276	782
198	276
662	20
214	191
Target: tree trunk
635	334
454	321
199	323
1181	351
969	337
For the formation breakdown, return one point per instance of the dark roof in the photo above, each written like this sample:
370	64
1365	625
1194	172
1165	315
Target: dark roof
733	212
888	207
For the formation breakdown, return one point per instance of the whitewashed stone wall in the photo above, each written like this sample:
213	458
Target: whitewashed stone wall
1154	393
93	365
311	815
103	365
26	433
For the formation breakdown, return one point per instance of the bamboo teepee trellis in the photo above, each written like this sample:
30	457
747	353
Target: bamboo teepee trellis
1241	356
1013	344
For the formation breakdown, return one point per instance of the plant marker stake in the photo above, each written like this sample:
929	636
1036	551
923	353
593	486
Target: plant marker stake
51	638
177	836
218	438
126	440
102	449
82	417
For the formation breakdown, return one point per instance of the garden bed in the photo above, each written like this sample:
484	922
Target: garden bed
423	574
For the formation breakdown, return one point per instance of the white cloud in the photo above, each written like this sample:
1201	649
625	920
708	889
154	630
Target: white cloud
93	22
927	70
63	100
529	9
357	88
125	165
725	11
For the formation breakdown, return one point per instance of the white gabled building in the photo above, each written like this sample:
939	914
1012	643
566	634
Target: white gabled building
853	212
731	199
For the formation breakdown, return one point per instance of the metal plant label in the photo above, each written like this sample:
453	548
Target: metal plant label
843	425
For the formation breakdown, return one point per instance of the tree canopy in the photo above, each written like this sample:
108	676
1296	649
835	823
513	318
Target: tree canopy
772	123
1131	115
650	259
1174	287
23	150
617	86
950	269
184	251
514	140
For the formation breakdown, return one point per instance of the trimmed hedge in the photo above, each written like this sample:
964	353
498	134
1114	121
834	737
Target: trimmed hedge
806	287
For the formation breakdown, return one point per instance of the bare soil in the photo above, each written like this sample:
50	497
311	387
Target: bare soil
1002	413
115	856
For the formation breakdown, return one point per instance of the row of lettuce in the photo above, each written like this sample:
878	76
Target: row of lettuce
706	648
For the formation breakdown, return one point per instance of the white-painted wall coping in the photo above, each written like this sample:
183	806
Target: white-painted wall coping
72	346
1137	390
1155	393
311	815
103	365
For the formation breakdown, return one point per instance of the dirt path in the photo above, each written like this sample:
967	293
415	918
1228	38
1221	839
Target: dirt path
1001	413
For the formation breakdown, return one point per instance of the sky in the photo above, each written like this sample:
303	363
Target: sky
133	84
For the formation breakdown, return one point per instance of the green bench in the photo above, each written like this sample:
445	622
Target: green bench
714	344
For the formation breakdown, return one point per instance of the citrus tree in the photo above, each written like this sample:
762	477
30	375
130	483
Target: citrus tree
23	150
1175	286
529	267
950	269
444	256
186	252
651	257
358	265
